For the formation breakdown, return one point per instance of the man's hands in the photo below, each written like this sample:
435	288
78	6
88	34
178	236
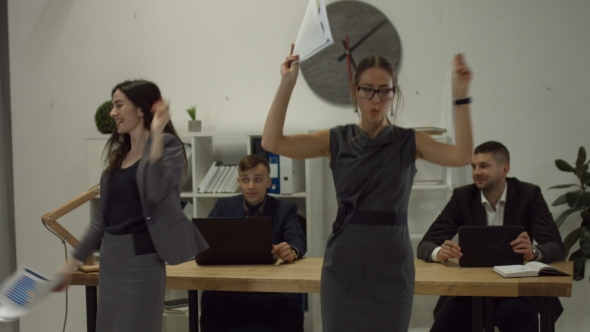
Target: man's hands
522	245
449	249
283	251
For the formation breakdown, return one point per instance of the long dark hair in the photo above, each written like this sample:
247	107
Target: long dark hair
143	94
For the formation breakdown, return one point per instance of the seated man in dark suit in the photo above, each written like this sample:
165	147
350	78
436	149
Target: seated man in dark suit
227	309
493	199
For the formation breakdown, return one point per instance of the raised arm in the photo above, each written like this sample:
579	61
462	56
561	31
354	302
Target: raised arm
293	146
459	154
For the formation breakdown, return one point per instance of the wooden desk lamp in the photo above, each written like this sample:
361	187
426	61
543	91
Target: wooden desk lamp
50	221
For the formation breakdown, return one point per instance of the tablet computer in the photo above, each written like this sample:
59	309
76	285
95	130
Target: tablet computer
488	246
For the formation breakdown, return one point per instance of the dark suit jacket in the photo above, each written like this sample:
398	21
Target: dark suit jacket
285	223
525	206
175	238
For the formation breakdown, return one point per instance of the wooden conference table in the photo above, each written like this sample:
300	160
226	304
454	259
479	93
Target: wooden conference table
303	276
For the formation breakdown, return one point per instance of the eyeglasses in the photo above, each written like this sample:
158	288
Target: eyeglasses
368	93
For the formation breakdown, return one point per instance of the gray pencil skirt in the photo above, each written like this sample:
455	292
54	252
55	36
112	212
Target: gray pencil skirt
130	287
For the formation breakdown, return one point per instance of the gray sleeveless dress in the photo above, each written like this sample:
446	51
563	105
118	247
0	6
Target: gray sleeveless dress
368	274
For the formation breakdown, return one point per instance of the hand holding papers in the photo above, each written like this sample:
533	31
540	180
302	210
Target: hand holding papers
314	34
21	291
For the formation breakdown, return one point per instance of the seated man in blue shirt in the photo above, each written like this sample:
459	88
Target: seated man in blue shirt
228	309
493	199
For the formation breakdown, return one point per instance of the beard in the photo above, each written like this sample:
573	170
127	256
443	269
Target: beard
489	184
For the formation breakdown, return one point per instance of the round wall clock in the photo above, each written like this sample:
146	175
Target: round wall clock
369	32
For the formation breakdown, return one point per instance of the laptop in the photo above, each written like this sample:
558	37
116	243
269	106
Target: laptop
236	241
488	246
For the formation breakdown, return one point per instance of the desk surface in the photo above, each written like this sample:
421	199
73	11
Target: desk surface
303	276
451	279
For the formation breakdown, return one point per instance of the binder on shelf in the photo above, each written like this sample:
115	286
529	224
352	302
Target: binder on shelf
273	162
215	180
222	177
207	178
256	146
232	181
226	179
292	175
214	176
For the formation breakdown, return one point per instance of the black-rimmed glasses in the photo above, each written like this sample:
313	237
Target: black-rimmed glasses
369	93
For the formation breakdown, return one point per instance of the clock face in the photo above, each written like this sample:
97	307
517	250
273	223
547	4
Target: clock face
369	32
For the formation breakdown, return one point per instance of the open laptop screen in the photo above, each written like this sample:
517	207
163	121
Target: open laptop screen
236	241
488	246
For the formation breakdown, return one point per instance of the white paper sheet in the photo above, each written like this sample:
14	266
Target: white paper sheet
20	291
314	33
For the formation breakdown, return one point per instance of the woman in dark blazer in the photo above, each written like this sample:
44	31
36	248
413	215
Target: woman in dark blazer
140	223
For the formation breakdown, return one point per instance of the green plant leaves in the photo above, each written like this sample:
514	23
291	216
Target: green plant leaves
562	216
585	240
579	263
577	200
559	200
561	186
572	197
581	170
104	123
562	165
581	156
192	112
571	239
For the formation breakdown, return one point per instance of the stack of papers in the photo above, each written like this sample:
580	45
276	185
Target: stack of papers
20	291
314	33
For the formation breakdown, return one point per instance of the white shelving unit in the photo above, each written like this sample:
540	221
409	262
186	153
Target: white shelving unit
230	148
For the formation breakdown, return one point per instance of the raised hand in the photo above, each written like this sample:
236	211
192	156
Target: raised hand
288	68
461	77
161	112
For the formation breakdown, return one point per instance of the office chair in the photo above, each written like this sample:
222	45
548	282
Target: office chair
252	326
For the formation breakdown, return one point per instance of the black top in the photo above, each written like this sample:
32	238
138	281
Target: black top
124	214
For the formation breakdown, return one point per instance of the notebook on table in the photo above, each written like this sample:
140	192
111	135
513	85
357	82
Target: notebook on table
488	246
236	241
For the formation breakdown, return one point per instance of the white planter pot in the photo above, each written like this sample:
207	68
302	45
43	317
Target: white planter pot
194	125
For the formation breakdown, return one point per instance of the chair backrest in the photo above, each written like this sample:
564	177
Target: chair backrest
252	326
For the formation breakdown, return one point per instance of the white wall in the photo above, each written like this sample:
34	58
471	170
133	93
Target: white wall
530	86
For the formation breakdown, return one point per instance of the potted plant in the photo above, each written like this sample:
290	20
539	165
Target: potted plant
578	200
102	118
194	125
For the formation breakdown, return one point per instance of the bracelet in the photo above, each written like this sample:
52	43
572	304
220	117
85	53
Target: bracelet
463	101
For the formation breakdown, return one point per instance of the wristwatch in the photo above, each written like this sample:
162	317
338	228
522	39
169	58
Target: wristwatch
536	253
295	253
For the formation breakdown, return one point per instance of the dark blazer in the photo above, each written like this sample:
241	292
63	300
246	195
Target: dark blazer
285	223
175	238
525	206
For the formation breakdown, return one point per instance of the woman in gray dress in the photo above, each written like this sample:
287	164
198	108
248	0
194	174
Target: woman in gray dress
368	273
140	221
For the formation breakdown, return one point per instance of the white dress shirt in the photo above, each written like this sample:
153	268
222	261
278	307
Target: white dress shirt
494	218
